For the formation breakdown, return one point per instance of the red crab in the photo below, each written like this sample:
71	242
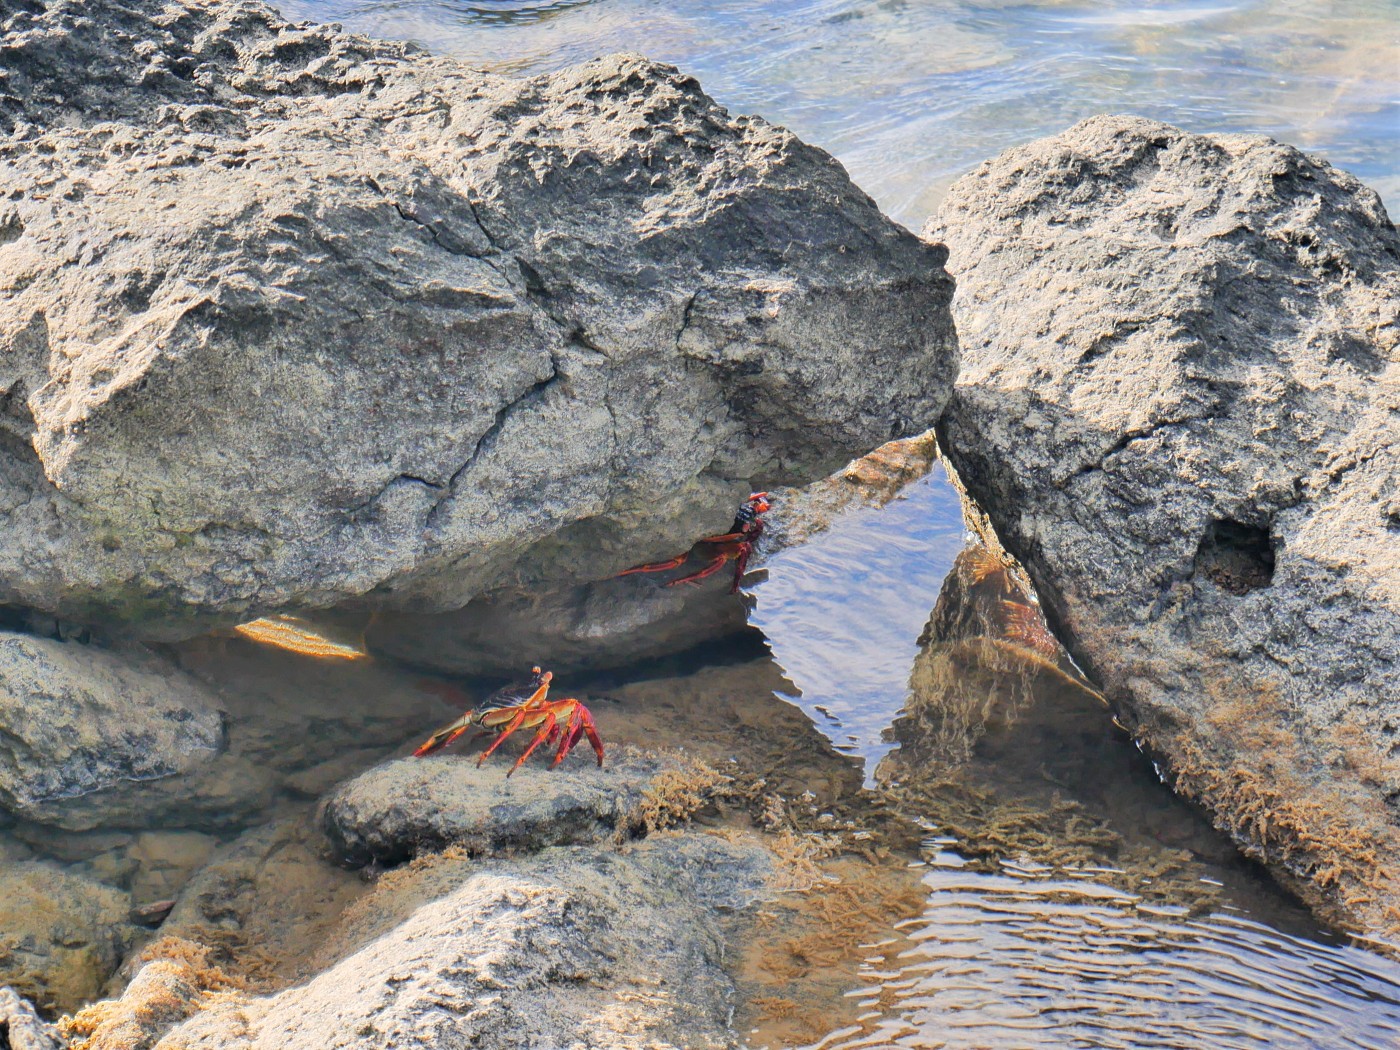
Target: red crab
735	545
525	704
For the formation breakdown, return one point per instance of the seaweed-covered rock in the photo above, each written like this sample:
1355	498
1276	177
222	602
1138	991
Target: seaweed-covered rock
265	899
86	734
1180	411
417	805
288	316
575	946
61	935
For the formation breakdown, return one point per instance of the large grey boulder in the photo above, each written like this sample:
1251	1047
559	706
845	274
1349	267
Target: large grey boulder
289	316
89	736
575	947
1180	410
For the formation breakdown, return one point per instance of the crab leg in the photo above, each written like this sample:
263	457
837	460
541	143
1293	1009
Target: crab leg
511	726
580	724
547	728
728	537
709	570
740	564
591	731
657	566
444	736
572	730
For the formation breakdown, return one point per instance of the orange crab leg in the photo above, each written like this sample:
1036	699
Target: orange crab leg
657	566
444	736
591	731
728	537
571	734
547	728
709	570
515	723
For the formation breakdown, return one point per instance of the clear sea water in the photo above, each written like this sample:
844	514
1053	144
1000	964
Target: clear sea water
909	94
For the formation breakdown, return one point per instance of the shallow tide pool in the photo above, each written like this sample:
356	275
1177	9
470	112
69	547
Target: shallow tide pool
1146	928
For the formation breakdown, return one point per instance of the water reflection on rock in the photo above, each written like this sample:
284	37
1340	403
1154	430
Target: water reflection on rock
1008	750
1069	898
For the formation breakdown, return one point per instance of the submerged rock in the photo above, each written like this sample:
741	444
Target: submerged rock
420	805
1180	411
86	734
61	935
172	979
604	624
291	315
267	900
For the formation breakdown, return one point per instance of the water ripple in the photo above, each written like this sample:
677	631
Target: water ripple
1000	961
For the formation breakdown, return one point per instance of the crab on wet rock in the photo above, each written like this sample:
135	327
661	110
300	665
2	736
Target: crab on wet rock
735	545
524	705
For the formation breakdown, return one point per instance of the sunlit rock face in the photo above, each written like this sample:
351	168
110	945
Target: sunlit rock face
290	316
576	946
1180	410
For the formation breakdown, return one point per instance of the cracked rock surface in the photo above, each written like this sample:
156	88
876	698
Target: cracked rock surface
290	316
1180	410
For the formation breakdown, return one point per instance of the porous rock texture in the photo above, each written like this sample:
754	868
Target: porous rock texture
290	315
88	735
418	805
21	1026
572	947
1180	410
